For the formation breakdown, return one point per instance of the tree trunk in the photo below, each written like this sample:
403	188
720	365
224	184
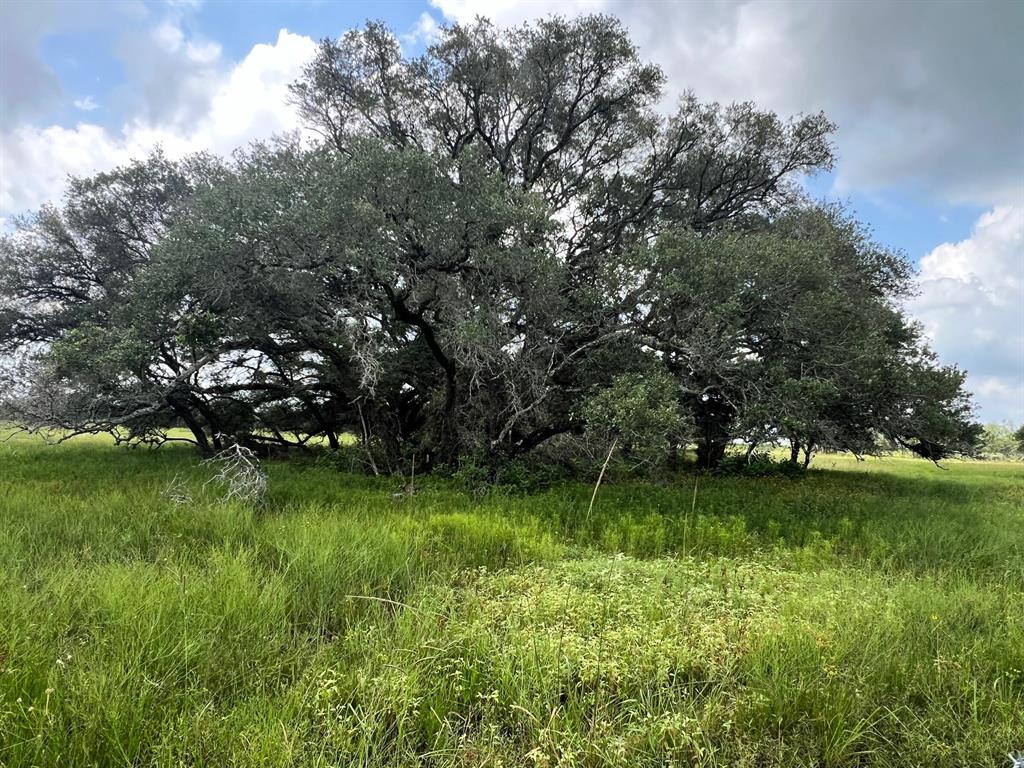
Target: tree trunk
713	416
794	450
808	452
182	411
212	420
448	434
332	439
710	453
318	417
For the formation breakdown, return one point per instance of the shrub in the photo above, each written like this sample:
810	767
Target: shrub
759	464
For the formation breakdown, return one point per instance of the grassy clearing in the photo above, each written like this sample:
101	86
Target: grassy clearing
871	614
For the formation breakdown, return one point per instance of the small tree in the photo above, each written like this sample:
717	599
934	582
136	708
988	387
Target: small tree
637	412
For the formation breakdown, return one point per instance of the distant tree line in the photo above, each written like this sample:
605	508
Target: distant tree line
1001	441
496	248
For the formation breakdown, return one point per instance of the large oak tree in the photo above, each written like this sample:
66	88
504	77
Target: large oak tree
491	240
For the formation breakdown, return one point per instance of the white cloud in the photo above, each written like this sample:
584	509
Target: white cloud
34	162
172	78
252	102
28	85
1001	399
86	104
246	102
508	12
425	31
927	99
971	303
991	254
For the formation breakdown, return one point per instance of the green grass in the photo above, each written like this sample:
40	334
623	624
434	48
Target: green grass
870	614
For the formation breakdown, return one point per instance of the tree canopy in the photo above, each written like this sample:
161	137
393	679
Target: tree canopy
495	246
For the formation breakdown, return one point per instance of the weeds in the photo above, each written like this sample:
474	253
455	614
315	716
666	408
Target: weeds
870	615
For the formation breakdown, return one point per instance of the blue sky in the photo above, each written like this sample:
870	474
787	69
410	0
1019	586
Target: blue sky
928	100
89	59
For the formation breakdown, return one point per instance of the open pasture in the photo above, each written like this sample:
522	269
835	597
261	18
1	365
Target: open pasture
869	614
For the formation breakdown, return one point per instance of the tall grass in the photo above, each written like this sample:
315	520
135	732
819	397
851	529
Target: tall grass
870	614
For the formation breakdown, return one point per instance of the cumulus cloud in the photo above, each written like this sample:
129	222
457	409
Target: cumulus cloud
971	303
28	85
172	78
245	103
86	104
34	162
929	97
425	31
509	12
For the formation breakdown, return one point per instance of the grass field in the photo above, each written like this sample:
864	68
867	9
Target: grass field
870	614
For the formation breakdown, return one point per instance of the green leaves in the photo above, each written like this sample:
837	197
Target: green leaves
639	409
497	244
